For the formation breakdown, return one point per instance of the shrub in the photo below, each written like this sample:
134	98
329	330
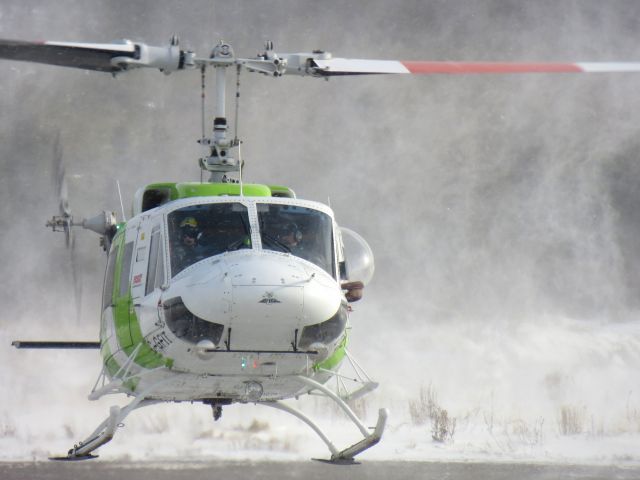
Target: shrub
425	408
442	427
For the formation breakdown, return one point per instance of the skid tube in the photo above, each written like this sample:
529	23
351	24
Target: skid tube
107	429
339	457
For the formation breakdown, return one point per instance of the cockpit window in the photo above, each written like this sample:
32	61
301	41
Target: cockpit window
301	231
201	231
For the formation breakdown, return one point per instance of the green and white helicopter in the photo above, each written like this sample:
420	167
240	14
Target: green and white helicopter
226	292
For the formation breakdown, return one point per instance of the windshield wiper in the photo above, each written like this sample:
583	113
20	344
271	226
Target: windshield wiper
275	242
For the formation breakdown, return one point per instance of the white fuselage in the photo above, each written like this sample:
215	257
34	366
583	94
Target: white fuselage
226	321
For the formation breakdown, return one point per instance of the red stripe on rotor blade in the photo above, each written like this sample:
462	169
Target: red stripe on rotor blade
466	67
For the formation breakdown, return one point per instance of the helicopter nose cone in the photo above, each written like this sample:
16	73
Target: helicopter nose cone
263	298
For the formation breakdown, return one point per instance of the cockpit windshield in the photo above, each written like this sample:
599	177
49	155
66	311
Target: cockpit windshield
301	231
197	232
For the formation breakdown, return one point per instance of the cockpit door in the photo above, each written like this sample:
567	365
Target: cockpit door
148	269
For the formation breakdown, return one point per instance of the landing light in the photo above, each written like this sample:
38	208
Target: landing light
202	348
253	391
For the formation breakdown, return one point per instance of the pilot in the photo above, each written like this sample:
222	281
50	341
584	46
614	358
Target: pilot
188	251
189	232
294	241
291	236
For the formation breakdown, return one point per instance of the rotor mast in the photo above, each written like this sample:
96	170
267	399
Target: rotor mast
219	162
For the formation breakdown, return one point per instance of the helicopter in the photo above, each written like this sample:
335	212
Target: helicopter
226	292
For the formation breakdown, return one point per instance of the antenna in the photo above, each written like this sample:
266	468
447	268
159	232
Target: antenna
124	217
240	160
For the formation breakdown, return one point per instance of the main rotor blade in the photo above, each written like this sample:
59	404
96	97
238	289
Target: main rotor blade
102	57
345	66
78	55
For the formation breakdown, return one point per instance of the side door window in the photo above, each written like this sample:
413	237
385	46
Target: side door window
122	304
155	267
106	325
107	291
125	269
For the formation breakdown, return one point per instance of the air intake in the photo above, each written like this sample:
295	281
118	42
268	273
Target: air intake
188	327
324	332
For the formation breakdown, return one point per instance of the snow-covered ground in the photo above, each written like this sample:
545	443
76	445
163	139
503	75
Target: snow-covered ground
554	390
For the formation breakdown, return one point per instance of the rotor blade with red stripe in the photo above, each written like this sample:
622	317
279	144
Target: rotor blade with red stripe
345	66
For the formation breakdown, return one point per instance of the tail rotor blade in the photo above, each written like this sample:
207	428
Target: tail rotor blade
60	180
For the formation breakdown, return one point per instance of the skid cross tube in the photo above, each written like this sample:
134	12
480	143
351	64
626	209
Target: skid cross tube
337	456
107	429
354	418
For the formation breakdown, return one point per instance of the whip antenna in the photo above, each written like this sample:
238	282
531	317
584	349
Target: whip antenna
124	217
240	168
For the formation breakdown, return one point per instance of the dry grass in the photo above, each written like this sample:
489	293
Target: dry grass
426	407
571	419
443	427
7	429
525	433
359	406
258	426
154	423
632	416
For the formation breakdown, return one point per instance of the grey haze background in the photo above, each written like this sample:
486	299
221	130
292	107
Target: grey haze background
488	200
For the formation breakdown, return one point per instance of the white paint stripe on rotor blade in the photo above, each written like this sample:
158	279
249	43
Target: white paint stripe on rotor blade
95	46
464	68
595	67
354	65
517	67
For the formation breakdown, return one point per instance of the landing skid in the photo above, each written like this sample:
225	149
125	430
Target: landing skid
107	429
339	457
73	459
337	462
